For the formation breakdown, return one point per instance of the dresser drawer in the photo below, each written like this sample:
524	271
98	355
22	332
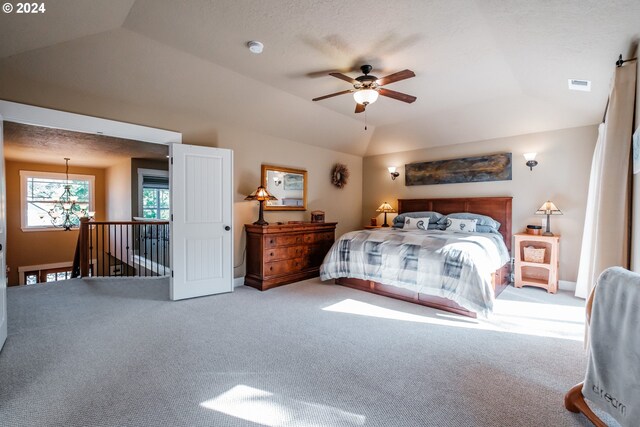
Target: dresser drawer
325	236
284	267
287	240
286	252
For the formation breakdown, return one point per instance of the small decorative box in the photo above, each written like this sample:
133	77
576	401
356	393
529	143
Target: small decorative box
536	230
317	216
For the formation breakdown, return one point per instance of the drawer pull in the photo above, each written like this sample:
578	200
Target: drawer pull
270	268
271	254
271	241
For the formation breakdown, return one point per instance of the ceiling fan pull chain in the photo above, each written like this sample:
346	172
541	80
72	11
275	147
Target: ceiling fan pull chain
365	119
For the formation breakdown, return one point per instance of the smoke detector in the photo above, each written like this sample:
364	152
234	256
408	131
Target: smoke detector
582	85
255	47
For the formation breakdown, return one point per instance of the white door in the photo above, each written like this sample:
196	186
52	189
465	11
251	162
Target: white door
202	215
3	245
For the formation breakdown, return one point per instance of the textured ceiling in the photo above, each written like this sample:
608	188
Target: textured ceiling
45	145
483	70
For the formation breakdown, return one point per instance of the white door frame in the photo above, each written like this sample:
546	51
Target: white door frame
3	249
45	117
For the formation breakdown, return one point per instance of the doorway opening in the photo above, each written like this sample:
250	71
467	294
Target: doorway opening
103	180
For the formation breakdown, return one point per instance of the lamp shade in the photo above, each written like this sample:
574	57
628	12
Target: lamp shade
548	208
365	96
392	169
260	194
530	156
385	207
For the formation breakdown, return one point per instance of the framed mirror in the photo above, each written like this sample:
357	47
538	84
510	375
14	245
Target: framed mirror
289	186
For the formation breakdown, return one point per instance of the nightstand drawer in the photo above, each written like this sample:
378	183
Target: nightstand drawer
295	239
287	252
286	266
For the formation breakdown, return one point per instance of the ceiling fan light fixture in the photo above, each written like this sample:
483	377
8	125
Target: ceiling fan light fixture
365	96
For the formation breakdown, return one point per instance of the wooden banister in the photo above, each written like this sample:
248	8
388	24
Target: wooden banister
130	222
83	244
122	248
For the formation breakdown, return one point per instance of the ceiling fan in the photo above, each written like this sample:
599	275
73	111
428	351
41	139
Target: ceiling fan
366	88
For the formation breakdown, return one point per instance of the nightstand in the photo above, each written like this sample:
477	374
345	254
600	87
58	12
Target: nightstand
371	227
541	274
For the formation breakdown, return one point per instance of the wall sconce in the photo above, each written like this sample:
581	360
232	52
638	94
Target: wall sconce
531	160
393	172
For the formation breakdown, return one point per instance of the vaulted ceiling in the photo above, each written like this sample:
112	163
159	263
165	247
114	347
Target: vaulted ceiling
484	69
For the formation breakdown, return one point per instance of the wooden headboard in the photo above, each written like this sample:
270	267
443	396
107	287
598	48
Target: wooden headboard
498	208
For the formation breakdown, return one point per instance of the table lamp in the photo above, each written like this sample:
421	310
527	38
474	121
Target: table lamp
261	194
385	207
548	208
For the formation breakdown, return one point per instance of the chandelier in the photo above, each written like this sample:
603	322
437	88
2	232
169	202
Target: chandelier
66	212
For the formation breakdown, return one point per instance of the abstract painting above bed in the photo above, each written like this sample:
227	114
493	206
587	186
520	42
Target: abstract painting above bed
456	266
494	167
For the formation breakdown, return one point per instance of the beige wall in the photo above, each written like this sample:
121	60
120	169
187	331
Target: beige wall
42	247
118	191
562	176
250	151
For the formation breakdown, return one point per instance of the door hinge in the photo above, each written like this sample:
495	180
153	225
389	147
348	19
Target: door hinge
171	217
171	273
172	160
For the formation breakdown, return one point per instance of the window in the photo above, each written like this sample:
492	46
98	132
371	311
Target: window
154	194
155	203
47	275
41	190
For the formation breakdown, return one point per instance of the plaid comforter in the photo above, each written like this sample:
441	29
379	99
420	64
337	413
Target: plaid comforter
452	265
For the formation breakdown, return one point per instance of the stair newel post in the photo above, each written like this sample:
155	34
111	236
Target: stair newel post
84	247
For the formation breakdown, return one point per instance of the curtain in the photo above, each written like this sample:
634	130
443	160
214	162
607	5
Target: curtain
635	219
605	240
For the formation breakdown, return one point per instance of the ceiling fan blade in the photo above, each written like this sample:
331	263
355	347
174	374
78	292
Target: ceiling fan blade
359	108
332	95
397	95
344	77
400	75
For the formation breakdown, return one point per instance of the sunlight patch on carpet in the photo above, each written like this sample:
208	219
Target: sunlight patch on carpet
270	409
526	318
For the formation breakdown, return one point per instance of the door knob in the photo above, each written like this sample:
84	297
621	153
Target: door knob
226	227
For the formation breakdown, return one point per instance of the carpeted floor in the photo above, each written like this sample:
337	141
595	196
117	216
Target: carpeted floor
117	353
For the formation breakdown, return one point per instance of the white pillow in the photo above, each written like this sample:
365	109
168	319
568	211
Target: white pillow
416	223
464	225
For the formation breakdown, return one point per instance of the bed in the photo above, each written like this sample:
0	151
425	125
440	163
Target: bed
473	292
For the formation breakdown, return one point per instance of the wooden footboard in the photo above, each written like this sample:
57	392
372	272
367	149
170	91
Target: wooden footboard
499	281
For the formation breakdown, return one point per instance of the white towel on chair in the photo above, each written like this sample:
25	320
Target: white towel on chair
613	372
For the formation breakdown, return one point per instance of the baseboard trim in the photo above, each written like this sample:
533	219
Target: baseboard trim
565	285
238	281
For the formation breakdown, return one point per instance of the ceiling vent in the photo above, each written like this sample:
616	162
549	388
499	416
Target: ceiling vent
583	85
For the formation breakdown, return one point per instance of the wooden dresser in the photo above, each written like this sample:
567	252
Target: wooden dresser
278	254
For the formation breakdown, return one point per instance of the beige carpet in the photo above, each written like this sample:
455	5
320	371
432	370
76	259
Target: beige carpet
117	353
